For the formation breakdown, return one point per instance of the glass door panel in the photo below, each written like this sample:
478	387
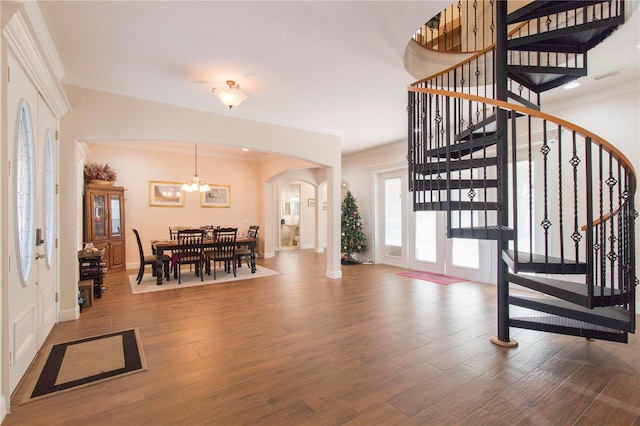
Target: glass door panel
393	217
116	230
99	216
428	242
469	258
426	236
391	224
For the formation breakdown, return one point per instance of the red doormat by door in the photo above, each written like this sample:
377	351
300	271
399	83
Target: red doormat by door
434	278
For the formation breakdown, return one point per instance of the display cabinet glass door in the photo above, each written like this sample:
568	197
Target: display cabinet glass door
99	220
116	216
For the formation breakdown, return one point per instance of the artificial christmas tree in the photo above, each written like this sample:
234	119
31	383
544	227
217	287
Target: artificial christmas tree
353	238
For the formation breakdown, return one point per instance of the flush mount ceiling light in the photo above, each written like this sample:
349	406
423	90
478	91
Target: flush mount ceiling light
195	184
231	96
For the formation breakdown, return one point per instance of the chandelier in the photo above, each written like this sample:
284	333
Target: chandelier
195	184
231	96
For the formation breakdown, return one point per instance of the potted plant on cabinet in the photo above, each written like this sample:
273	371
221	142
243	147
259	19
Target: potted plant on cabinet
99	174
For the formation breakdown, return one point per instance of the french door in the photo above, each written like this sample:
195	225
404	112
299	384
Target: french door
418	240
33	263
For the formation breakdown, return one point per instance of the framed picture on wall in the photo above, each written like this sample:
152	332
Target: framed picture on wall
165	194
217	196
311	202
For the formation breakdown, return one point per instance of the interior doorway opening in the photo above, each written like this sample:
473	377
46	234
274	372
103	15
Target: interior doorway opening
289	215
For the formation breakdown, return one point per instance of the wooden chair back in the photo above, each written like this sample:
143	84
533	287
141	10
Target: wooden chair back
190	245
208	231
253	231
225	246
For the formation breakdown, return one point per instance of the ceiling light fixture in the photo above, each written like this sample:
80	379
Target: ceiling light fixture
195	184
231	96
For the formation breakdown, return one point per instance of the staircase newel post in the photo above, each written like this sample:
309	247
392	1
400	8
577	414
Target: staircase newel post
500	67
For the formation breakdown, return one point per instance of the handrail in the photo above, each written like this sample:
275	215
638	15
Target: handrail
602	219
615	152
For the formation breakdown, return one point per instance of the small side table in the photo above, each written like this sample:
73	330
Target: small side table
86	291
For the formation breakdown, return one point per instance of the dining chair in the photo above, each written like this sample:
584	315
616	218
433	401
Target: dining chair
173	231
189	252
150	260
208	231
223	251
244	252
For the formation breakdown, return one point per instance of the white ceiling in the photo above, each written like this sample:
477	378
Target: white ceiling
325	66
328	66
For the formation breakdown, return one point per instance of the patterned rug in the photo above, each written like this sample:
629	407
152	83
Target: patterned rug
189	279
434	278
71	365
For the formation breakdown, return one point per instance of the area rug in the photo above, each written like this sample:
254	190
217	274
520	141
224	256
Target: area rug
434	278
71	365
189	279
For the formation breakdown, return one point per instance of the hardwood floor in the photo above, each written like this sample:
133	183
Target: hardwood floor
370	348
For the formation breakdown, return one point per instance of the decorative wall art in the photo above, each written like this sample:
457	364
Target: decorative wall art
217	196
165	194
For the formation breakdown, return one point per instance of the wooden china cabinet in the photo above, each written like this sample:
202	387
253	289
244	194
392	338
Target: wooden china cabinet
104	223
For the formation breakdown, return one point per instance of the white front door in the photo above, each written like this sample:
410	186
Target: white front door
418	240
47	220
32	308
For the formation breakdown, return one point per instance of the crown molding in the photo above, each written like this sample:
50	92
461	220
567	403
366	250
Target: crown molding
30	42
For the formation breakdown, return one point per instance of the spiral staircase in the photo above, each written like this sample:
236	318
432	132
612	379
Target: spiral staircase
558	199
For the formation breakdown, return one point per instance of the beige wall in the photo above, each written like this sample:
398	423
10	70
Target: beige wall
136	167
102	117
359	171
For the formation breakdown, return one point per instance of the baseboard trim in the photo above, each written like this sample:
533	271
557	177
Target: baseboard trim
3	408
334	274
69	314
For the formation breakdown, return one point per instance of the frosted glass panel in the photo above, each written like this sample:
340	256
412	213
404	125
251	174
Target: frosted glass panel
426	236
393	217
115	216
465	252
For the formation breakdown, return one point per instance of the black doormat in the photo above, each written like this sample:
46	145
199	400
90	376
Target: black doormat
79	363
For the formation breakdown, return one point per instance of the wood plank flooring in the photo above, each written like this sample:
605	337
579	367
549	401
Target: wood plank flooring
372	348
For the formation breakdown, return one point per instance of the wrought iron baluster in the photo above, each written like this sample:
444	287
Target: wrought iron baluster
591	236
560	195
546	223
611	256
601	227
576	236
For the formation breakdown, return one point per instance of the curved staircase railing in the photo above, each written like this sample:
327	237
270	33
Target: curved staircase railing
560	198
464	26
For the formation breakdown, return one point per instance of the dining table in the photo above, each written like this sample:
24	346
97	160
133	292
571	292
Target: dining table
159	247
